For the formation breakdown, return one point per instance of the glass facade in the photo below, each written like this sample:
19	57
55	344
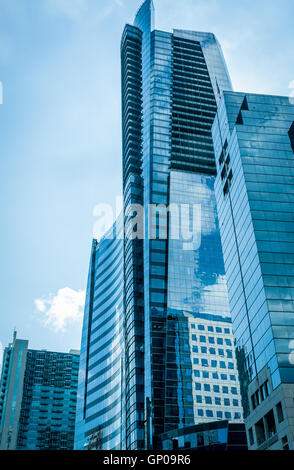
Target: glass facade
99	421
38	398
216	436
199	331
48	409
171	83
254	191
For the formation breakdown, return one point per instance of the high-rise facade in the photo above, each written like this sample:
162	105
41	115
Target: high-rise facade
11	392
180	365
157	350
37	398
100	409
254	143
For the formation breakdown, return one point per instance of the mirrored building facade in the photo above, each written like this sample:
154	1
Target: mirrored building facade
100	410
180	359
254	145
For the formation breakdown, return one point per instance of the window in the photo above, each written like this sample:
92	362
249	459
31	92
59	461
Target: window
207	387
198	398
200	413
196	360
216	389
208	400
234	391
221	159
217	401
204	350
251	438
235	403
226	402
202	339
198	386
209	413
280	412
211	339
194	337
270	422
213	363
219	414
255	400
225	389
201	327
285	443
267	389
291	135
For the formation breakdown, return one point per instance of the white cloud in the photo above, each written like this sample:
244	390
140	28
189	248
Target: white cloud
63	309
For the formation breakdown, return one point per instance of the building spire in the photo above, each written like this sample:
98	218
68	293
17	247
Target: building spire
145	17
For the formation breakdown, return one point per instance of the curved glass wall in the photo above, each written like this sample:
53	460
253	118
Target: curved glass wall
100	407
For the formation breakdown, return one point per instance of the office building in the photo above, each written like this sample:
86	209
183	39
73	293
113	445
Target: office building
37	398
180	365
100	409
157	349
254	143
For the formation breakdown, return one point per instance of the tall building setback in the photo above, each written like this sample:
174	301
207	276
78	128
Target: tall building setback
180	360
38	392
254	144
157	342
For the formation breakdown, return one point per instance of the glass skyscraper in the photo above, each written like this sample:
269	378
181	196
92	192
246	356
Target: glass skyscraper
157	348
180	359
254	144
100	409
38	393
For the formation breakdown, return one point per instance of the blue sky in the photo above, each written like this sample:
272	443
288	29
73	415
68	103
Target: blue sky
60	135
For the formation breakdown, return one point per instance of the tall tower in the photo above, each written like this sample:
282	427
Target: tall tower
180	364
11	391
38	391
254	144
100	403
